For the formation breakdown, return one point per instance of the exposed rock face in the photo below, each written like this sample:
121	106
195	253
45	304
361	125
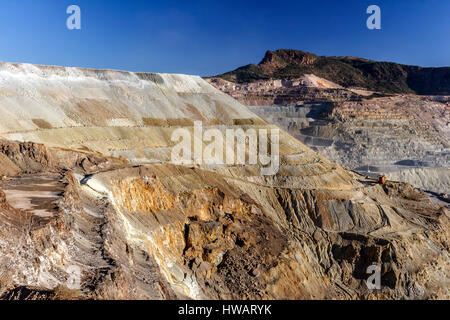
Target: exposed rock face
92	189
273	61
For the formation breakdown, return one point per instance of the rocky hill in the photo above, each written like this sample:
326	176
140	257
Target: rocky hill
348	72
89	195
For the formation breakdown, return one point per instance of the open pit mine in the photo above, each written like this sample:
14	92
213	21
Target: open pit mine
92	207
376	118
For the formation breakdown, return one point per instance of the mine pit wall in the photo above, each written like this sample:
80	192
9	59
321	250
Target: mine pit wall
174	228
431	179
190	236
121	114
102	98
373	140
195	231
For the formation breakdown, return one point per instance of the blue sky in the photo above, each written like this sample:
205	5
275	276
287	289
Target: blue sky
211	37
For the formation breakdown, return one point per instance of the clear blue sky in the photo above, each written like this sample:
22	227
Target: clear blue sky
211	37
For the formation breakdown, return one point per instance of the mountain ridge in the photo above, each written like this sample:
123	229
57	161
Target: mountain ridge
388	77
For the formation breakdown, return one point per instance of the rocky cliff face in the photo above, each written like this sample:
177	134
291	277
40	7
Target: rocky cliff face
88	190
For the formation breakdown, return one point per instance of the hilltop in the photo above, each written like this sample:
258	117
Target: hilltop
377	76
